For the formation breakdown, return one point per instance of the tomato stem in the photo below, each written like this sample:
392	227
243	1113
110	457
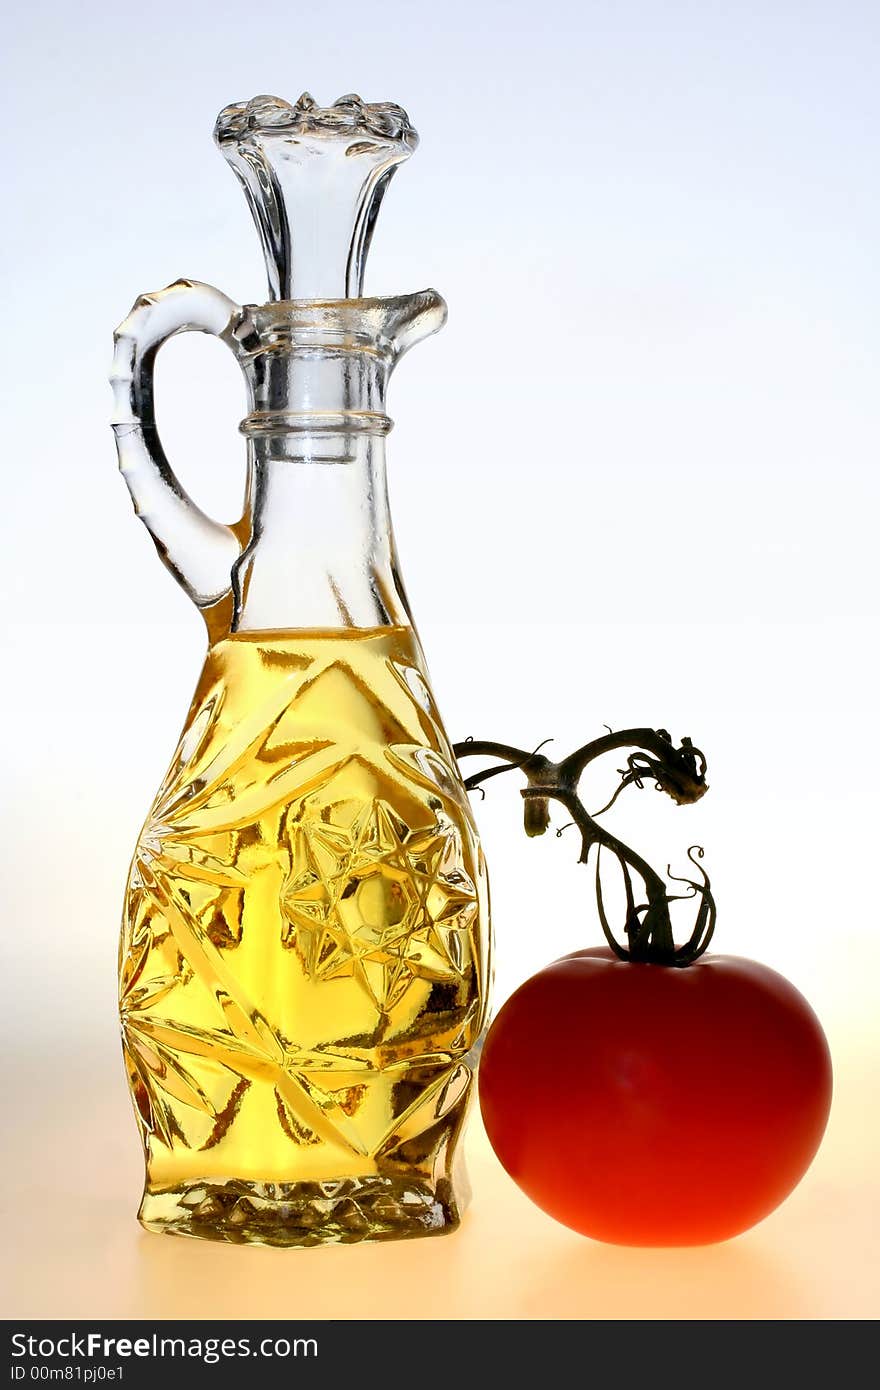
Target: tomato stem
679	772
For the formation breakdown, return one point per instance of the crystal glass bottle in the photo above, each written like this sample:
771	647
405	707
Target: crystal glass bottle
304	954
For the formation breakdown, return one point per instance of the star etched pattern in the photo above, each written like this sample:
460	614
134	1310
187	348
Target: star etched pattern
379	902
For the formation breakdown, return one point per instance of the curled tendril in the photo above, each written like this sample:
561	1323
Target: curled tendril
680	772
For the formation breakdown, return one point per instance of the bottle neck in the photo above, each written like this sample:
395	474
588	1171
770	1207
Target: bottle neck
304	391
320	552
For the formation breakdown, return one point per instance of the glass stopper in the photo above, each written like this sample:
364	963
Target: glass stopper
314	178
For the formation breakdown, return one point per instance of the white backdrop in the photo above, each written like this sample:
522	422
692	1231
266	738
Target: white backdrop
633	481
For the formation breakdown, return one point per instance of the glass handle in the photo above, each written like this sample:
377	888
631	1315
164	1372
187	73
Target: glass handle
199	551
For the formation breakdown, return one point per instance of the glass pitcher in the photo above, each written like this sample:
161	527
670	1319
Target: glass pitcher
304	953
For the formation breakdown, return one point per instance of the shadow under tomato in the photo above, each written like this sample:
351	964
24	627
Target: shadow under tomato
737	1279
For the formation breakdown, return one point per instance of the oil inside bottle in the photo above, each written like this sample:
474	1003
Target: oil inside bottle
302	978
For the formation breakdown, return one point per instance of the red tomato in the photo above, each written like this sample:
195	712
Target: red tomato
649	1105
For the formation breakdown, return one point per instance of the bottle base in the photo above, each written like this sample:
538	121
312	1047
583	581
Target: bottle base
303	1213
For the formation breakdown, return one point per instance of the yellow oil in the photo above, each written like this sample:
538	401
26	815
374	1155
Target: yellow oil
303	964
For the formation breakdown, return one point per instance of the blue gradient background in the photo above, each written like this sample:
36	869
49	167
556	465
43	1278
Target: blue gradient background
634	480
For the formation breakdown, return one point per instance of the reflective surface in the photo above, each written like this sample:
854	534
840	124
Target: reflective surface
73	1250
